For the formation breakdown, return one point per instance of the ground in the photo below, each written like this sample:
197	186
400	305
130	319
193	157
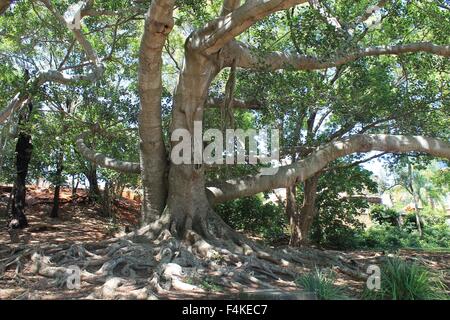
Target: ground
81	233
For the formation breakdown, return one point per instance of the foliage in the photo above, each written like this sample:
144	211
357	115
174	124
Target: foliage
252	215
321	283
404	280
336	224
386	236
381	214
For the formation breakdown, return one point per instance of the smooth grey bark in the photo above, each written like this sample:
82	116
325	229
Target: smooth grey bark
188	205
103	160
246	57
159	22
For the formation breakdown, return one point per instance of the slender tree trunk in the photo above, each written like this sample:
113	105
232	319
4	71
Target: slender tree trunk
415	199
302	221
91	175
24	150
59	170
291	203
10	201
75	185
3	142
107	201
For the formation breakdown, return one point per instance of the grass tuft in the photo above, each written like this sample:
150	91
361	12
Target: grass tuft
404	280
321	283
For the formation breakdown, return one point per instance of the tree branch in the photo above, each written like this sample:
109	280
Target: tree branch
105	161
246	58
229	6
321	157
356	163
4	5
214	102
222	30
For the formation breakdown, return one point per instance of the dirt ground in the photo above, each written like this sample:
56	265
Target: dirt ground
81	222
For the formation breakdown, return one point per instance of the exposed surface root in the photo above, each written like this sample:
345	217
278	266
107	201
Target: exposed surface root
136	267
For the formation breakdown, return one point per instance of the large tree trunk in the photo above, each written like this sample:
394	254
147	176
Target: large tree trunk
24	150
188	205
302	221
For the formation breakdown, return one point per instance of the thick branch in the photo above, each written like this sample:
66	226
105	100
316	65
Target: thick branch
246	57
105	161
15	104
229	6
319	159
4	5
214	102
222	30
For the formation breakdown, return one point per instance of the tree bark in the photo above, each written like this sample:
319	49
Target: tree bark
158	24
91	175
302	221
291	202
188	205
4	5
415	199
24	150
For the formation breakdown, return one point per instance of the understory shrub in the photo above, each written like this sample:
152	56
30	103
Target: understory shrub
381	214
253	216
386	236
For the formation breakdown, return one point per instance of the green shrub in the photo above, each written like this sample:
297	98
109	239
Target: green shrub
402	280
383	237
338	236
252	215
321	283
390	237
381	214
436	236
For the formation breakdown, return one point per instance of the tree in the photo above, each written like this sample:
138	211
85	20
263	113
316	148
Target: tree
24	149
175	195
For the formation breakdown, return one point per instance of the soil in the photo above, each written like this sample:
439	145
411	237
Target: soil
81	222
